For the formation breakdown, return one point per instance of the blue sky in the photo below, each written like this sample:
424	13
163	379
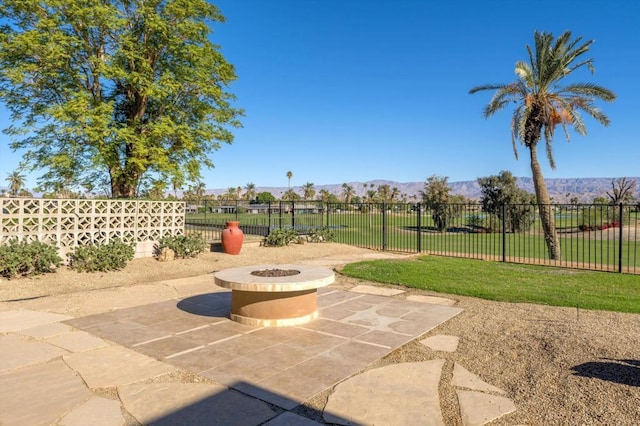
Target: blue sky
355	90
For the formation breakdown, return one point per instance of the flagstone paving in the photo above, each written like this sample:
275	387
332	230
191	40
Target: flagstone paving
52	365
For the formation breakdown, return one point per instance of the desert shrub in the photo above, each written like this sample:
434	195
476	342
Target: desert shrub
25	259
321	235
107	257
183	245
281	237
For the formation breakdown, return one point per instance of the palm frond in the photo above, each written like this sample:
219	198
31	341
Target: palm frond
588	89
577	122
594	112
486	87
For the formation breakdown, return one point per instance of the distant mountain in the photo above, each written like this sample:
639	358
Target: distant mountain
562	190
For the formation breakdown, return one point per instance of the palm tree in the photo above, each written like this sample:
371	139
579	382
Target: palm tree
308	191
324	196
543	103
198	190
177	182
289	176
384	192
250	191
16	182
347	192
290	195
371	196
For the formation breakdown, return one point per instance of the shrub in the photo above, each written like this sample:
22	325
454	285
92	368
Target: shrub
25	259
281	237
183	245
321	235
107	257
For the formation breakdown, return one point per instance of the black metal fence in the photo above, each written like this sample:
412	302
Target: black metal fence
591	236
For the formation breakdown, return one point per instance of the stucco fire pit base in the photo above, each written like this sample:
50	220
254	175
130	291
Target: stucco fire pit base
286	295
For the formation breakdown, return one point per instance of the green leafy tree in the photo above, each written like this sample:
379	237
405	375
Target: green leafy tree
265	197
543	103
502	190
115	89
16	182
435	197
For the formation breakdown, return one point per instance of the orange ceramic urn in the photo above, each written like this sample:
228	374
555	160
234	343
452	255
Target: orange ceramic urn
232	237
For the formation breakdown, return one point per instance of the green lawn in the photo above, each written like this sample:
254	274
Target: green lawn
506	282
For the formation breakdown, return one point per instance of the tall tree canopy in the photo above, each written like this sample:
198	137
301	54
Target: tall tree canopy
542	103
118	90
502	196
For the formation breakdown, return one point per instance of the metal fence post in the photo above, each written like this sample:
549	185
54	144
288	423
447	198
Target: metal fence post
504	234
236	210
384	225
293	215
419	225
620	234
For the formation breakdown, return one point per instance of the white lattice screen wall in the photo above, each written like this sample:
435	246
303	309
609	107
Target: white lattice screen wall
69	223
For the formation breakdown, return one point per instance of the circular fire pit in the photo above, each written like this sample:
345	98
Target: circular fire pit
274	295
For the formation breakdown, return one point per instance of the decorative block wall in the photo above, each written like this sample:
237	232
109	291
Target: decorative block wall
69	223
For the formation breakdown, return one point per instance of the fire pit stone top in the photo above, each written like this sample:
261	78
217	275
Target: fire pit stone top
274	278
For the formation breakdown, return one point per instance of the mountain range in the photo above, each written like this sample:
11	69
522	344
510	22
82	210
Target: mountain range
561	189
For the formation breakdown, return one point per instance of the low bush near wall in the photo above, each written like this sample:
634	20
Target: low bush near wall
108	257
321	235
183	245
24	259
281	237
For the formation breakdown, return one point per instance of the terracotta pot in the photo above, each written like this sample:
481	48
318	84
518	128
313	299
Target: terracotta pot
232	237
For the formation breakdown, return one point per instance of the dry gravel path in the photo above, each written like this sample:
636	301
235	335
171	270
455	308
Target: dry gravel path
559	365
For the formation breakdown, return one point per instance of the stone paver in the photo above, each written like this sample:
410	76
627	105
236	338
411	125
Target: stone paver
442	343
398	394
478	408
20	320
267	363
280	366
77	341
463	378
192	404
125	298
431	299
101	411
114	366
18	351
40	394
378	291
46	330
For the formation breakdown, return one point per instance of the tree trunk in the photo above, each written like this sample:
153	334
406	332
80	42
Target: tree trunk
547	216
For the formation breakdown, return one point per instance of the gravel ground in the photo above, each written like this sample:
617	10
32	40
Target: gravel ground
561	366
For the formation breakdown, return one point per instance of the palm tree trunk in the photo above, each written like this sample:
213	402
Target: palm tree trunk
547	216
